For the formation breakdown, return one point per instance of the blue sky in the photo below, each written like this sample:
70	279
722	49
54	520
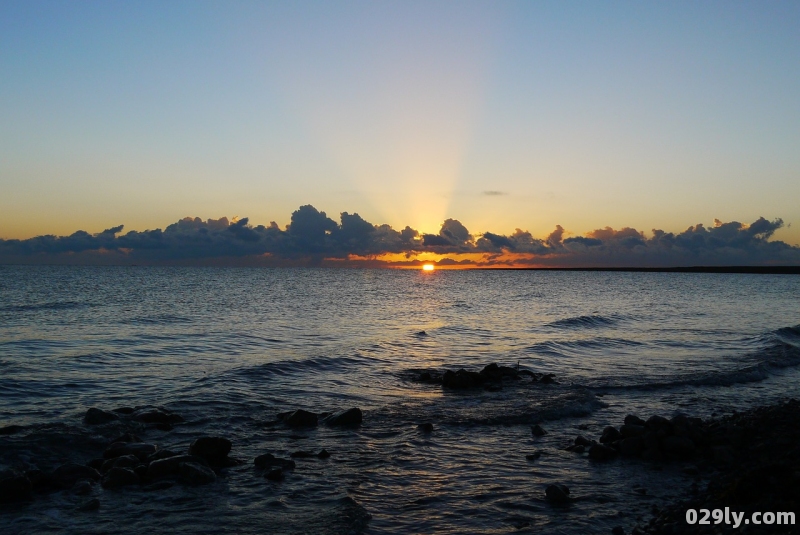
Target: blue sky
503	115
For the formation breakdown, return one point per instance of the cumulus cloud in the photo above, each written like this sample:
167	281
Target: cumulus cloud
314	238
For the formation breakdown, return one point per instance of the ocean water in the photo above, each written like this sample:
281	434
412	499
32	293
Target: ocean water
228	349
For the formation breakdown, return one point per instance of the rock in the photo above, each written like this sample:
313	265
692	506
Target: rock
127	437
557	494
159	485
661	425
156	415
533	456
537	431
139	449
196	474
548	378
302	455
10	429
170	466
349	418
425	377
124	410
461	380
276	474
583	441
91	505
632	447
299	418
652	454
96	416
634	420
67	474
610	434
631	430
119	477
576	448
14	487
426	427
617	530
323	454
124	461
268	460
421	333
212	449
41	481
680	447
601	452
161	454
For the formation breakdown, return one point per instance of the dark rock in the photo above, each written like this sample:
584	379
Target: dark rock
67	474
123	461
41	481
141	470
461	380
213	449
126	437
426	427
91	505
196	474
119	477
533	456
425	377
631	430
10	429
159	485
323	454
537	431
601	452
97	464
348	418
548	378
632	447
161	454
276	474
576	448
680	447
268	460
139	449
557	494
156	415
163	426
422	333
170	466
610	434
617	530
299	418
659	424
302	455
96	416
652	454
634	420
583	441
14	487
124	410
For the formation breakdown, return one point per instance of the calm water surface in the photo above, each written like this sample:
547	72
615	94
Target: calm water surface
228	349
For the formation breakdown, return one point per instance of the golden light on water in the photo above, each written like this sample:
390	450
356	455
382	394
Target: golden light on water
427	267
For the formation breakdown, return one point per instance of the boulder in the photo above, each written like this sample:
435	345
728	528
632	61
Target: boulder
299	418
461	380
610	434
533	456
652	454
548	378
680	447
557	494
212	449
14	487
268	461
170	466
426	427
95	416
537	431
276	474
631	447
196	474
126	437
634	420
156	415
632	430
119	477
348	418
139	449
91	505
601	452
67	474
583	441
323	454
123	461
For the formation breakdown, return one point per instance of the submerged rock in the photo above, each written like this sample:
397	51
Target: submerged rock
268	460
348	418
276	474
323	454
196	474
96	416
557	494
119	477
214	449
124	461
601	452
170	466
67	474
156	415
426	427
140	449
299	418
461	379
537	431
91	505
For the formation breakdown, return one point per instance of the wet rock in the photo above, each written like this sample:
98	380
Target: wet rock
426	427
537	431
349	418
119	477
156	415
576	448
67	474
632	430
170	466
461	379
583	441
124	410
268	461
95	416
139	449
617	530
14	487
631	447
299	418
610	434
302	455
548	378
557	494
91	505
533	456
652	454
212	449
421	333
97	464
323	454
158	485
660	425
680	447
601	452
161	454
276	474
123	461
10	429
127	437
41	481
196	474
634	420
425	377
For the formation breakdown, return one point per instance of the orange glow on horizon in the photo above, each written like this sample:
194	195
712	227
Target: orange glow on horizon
428	267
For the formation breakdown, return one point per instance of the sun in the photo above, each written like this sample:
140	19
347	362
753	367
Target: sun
427	267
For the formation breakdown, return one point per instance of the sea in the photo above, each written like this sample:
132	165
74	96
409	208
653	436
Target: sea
229	349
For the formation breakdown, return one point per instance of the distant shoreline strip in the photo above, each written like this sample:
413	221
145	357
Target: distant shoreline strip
756	270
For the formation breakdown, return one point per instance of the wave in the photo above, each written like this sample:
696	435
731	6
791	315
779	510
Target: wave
163	319
572	346
583	322
314	365
55	305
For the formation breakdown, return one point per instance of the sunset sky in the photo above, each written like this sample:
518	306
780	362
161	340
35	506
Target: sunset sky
502	115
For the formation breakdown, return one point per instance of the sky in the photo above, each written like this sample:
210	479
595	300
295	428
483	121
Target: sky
499	115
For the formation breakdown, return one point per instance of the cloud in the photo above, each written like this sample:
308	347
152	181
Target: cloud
313	238
494	193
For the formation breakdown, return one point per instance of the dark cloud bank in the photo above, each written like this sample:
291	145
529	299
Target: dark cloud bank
312	238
